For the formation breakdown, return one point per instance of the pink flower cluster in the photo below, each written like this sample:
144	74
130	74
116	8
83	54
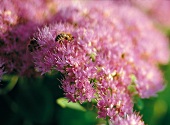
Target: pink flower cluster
103	49
18	21
132	119
106	51
157	9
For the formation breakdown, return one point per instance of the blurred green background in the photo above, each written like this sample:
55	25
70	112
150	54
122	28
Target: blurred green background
32	101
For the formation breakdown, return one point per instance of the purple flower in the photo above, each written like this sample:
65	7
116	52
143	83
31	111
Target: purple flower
98	51
97	46
158	10
18	22
8	16
13	50
133	119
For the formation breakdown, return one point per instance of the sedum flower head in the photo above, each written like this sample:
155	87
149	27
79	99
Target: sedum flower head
98	51
13	50
133	119
18	22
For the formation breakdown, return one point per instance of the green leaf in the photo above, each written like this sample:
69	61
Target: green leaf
34	101
139	103
63	102
12	82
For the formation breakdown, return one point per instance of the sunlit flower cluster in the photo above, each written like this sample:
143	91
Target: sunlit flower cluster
102	53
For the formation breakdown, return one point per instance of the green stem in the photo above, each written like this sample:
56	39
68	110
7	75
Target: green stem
107	120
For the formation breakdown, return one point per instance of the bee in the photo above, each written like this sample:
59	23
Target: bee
33	45
64	36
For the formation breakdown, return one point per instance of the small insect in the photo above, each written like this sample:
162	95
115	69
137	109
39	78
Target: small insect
33	45
64	36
